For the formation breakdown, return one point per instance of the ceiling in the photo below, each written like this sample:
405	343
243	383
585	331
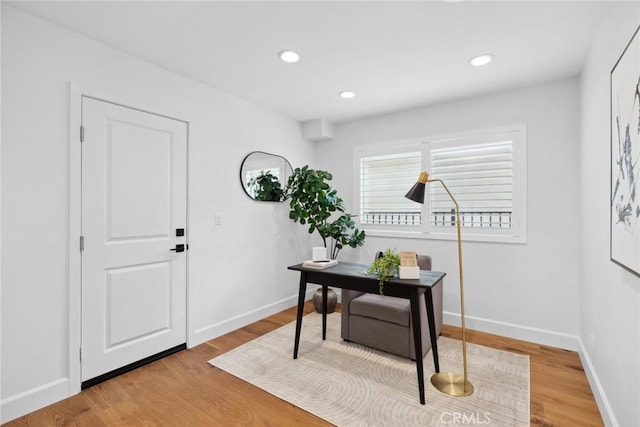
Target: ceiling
394	55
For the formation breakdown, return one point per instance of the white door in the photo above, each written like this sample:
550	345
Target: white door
134	183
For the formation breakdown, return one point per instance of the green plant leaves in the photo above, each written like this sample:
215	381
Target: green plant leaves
385	267
314	202
266	187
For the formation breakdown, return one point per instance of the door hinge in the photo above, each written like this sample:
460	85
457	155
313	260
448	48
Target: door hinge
81	243
81	354
81	133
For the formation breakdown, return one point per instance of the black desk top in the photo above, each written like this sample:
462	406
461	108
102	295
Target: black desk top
352	270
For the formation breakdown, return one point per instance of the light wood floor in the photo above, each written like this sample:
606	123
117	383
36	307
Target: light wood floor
184	390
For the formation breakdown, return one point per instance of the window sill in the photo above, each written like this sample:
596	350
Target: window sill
467	236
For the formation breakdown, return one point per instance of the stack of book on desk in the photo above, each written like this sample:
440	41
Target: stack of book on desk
320	265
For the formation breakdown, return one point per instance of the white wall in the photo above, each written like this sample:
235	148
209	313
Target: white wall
39	61
526	291
523	291
609	295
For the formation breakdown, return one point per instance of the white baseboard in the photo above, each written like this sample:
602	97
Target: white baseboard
511	330
31	400
28	401
544	337
606	411
228	325
39	397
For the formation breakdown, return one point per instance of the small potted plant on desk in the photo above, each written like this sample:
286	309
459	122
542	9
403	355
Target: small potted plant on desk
385	266
314	202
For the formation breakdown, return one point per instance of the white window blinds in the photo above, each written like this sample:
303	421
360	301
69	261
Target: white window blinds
384	180
485	170
480	177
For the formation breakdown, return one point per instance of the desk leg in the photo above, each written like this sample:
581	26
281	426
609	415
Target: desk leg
417	339
301	295
428	299
324	311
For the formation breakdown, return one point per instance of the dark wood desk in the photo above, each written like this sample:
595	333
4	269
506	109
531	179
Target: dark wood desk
347	275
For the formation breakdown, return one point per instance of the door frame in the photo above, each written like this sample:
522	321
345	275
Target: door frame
76	93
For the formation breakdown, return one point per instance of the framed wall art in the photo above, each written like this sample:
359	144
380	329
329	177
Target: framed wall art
625	158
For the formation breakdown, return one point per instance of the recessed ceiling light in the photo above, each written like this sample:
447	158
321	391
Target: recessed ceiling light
289	56
480	60
347	94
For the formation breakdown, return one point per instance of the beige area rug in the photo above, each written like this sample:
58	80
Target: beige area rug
352	385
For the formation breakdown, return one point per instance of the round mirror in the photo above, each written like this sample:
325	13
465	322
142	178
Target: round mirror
264	176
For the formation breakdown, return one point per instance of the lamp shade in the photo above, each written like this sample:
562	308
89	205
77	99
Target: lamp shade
416	193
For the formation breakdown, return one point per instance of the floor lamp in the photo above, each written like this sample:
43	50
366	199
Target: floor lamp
447	382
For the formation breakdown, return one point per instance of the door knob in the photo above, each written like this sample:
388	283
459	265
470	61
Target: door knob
178	248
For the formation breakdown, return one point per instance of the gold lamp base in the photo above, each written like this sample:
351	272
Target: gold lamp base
452	384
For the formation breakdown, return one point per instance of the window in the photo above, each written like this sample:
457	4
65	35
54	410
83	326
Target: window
383	183
484	170
480	176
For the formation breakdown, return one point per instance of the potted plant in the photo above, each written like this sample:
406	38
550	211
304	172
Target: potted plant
315	203
385	266
266	187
